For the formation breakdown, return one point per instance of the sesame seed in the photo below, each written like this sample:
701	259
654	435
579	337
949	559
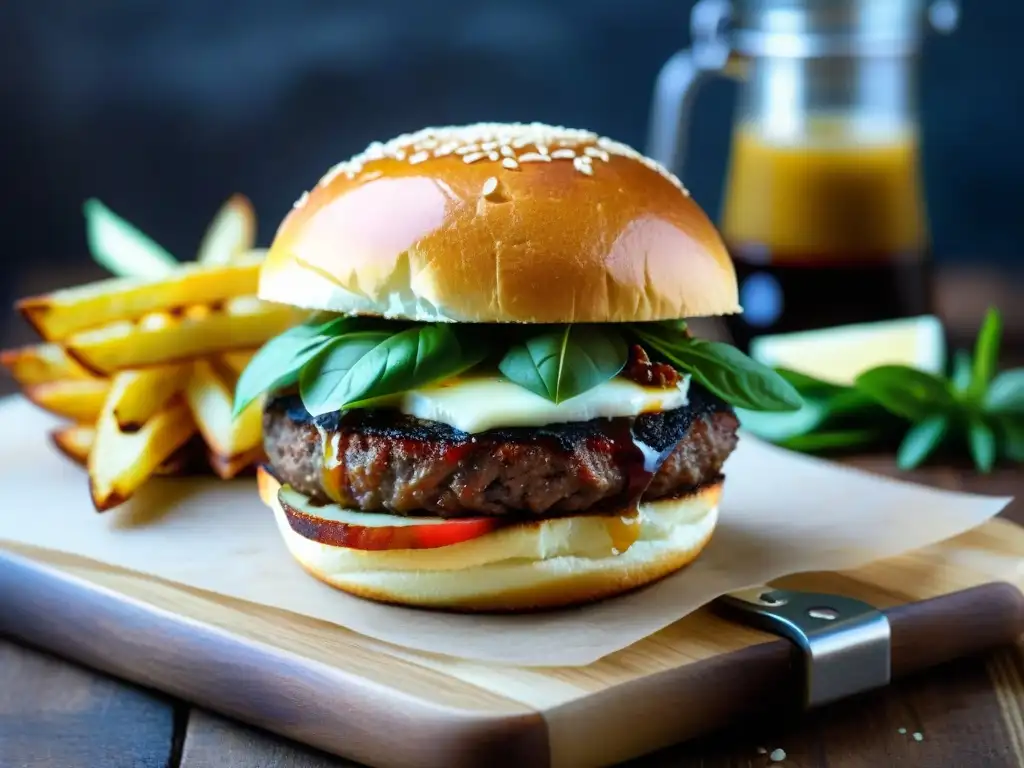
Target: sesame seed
473	157
762	751
918	736
777	755
419	157
510	163
500	141
301	201
581	165
332	173
493	156
494	191
372	175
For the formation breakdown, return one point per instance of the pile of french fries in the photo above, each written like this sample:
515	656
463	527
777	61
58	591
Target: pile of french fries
143	366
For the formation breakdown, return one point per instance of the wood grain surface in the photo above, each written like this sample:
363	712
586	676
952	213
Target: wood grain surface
55	714
214	742
969	712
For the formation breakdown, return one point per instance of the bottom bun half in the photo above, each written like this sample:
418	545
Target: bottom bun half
527	566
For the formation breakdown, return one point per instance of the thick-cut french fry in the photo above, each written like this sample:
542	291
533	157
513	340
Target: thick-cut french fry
210	399
75	441
236	361
146	391
120	462
228	467
80	400
62	313
243	323
41	364
231	233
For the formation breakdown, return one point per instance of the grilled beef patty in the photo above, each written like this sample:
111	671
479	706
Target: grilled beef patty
387	461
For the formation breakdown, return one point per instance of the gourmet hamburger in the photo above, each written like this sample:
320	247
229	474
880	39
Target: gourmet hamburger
495	403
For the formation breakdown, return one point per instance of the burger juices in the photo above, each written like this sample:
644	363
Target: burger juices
495	403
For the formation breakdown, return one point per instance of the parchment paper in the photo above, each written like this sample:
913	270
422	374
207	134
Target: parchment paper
781	513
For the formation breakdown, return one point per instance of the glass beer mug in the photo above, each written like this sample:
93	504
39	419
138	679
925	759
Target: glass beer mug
823	208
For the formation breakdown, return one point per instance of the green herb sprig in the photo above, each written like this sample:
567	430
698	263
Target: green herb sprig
565	362
721	368
975	407
344	362
120	247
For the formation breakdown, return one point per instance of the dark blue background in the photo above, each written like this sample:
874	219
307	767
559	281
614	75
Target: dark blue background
162	109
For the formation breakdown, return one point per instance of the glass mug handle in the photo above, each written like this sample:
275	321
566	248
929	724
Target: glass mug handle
676	85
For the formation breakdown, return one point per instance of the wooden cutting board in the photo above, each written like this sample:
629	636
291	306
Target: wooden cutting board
382	705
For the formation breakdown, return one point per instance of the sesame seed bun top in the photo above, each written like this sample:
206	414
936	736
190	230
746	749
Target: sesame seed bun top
501	223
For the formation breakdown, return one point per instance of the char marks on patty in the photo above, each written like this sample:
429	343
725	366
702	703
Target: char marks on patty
391	462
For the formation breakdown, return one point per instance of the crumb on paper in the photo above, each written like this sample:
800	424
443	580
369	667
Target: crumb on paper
777	755
918	736
901	730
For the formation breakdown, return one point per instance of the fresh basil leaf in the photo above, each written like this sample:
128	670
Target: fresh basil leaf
962	371
986	352
327	384
121	248
1006	392
1012	434
561	364
920	441
906	391
785	425
736	378
724	370
360	367
278	362
332	324
982	442
831	440
849	400
809	385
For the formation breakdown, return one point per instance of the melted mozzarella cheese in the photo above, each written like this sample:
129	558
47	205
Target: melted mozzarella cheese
478	403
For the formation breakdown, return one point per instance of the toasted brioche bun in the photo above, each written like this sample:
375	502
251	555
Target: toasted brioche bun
544	564
501	223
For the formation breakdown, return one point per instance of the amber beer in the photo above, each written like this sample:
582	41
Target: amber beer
825	231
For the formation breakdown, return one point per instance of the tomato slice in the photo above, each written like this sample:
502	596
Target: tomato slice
453	531
341	528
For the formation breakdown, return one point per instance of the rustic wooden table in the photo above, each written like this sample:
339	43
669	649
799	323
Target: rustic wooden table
968	713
